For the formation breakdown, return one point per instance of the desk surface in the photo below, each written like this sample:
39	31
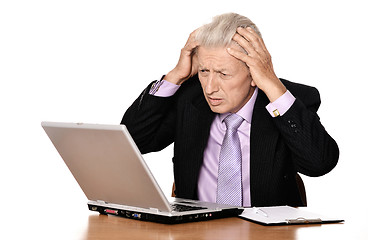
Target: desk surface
111	227
114	228
82	224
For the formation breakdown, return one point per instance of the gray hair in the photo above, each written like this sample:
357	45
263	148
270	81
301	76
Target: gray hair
220	31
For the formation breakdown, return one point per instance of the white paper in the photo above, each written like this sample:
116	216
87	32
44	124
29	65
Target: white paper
283	215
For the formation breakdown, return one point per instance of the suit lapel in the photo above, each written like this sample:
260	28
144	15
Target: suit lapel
196	127
196	120
263	142
202	116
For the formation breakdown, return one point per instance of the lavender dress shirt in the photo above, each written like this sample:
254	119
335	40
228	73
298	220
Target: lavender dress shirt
207	182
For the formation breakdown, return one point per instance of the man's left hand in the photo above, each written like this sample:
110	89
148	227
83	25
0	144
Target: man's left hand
258	59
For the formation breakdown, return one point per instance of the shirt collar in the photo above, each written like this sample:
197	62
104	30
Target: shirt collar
246	111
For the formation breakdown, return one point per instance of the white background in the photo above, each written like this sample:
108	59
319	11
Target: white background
86	61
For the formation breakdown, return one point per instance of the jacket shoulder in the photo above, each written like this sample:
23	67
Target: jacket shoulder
309	95
299	88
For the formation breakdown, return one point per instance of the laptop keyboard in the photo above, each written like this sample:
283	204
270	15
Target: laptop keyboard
182	208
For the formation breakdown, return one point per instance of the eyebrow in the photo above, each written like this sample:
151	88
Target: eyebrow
220	70
200	66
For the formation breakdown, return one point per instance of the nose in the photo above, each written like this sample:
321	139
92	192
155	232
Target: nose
212	84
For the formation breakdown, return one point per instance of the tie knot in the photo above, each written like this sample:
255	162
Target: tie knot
233	121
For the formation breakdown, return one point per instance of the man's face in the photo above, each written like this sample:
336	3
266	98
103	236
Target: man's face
226	81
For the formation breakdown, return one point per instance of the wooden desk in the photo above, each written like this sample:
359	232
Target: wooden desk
75	222
111	227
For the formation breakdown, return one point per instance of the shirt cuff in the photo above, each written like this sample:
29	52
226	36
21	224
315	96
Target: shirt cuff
281	105
163	88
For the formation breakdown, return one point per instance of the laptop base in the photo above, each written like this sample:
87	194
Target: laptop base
143	216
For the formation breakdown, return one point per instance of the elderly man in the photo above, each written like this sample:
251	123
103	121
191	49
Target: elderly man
241	135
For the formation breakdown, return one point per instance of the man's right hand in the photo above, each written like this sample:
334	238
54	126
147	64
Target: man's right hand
187	65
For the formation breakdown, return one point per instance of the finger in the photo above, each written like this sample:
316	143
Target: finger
240	55
194	65
251	36
259	40
191	42
244	43
190	46
255	47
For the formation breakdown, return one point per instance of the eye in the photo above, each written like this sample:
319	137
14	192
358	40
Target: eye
225	75
203	72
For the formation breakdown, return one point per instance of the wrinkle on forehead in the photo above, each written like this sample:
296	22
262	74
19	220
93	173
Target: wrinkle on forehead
218	59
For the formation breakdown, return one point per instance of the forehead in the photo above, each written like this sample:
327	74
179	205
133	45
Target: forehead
217	57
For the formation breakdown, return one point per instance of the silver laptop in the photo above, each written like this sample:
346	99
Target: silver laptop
113	175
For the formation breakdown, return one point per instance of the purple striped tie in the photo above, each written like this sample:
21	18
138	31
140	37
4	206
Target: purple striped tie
229	181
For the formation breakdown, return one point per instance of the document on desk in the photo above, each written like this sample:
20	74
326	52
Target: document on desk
284	215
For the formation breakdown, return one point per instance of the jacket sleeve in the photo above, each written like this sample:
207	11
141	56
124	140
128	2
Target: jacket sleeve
151	121
314	151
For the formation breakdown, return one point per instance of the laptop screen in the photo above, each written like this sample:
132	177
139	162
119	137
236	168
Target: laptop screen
106	164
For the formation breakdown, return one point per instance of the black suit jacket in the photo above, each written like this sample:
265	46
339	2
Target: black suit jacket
279	147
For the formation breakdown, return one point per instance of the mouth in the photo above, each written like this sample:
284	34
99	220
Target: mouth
214	101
